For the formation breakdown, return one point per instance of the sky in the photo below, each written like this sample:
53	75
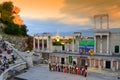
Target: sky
65	15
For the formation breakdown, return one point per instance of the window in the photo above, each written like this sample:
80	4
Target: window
117	49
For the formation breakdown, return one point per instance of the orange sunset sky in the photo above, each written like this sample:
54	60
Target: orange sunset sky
65	15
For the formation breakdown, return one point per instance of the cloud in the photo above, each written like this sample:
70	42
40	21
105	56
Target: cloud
65	15
88	8
52	26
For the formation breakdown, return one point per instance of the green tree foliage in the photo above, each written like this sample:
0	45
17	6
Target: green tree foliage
57	43
12	29
7	19
6	11
69	41
24	30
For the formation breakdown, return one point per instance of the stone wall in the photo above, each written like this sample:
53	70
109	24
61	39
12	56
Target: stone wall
57	48
114	40
18	42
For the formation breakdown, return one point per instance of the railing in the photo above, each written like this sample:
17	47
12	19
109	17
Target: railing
18	67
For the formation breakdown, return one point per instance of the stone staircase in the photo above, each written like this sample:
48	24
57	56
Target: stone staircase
19	64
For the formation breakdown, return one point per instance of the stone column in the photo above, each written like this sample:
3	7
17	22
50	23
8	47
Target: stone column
103	64
107	44
94	43
47	43
94	63
73	44
90	62
50	44
60	59
67	47
112	65
100	43
117	66
56	59
78	46
99	65
43	43
34	42
38	43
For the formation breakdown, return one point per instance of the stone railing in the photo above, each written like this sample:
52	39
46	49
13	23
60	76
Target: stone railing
17	67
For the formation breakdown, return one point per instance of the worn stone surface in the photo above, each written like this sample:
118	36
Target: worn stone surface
41	72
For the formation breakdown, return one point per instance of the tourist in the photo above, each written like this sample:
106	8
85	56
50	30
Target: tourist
13	57
49	67
85	73
86	65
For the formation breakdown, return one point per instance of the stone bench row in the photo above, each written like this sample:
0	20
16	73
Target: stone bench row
17	67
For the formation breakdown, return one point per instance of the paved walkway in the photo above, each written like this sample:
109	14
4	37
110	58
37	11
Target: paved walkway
104	72
41	72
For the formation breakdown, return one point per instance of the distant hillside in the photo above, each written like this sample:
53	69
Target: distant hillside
88	32
115	30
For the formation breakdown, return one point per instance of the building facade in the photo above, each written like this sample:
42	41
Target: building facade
106	49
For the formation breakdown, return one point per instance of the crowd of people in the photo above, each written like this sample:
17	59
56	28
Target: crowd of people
69	69
6	56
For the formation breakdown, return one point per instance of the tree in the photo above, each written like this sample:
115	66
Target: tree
6	11
8	6
24	30
7	18
57	43
12	29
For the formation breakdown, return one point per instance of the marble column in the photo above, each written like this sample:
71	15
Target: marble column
34	42
99	65
50	44
94	63
117	66
38	43
112	65
47	43
94	43
104	64
107	44
78	46
100	43
90	62
67	47
56	60
73	45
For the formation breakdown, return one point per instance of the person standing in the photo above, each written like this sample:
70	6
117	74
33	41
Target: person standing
86	66
85	74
